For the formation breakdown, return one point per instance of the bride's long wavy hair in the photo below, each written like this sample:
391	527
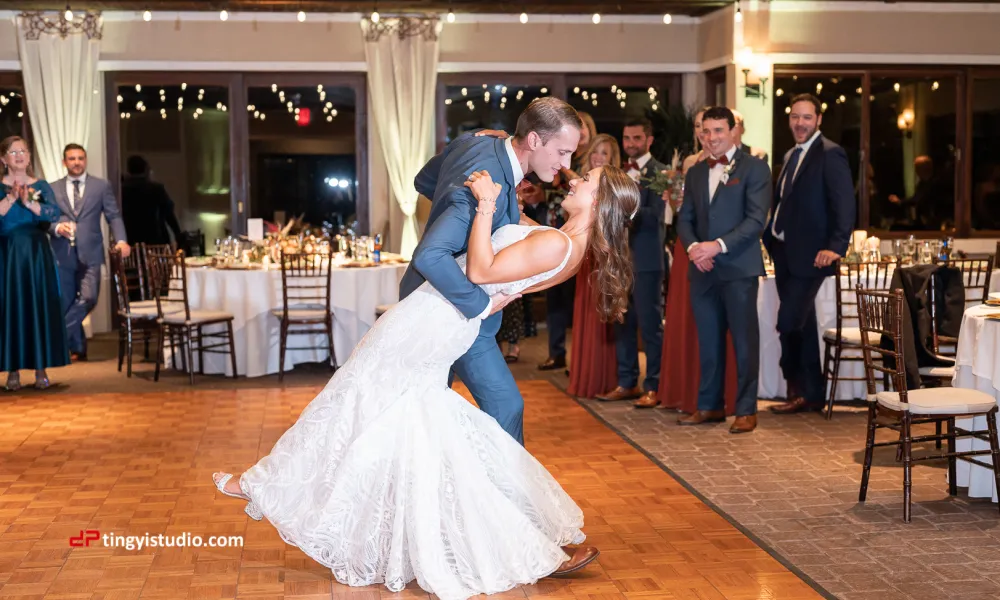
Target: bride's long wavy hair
611	279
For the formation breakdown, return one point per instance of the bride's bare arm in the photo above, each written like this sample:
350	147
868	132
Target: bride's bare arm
539	252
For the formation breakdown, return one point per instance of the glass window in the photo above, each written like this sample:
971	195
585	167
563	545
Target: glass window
11	112
491	105
303	154
985	188
913	147
612	106
841	122
182	133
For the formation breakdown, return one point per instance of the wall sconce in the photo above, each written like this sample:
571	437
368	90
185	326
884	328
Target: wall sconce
905	122
758	65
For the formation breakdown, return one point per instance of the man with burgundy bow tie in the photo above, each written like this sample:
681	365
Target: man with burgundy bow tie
645	305
726	199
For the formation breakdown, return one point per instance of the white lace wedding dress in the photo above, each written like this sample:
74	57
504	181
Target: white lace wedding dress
389	476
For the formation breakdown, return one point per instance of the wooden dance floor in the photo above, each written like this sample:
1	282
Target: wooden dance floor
127	464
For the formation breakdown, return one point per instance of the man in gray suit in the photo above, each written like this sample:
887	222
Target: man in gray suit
726	200
78	242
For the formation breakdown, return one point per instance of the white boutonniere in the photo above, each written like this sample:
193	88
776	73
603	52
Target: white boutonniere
36	196
728	170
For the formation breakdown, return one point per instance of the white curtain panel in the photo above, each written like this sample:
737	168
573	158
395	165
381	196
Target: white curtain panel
60	75
402	81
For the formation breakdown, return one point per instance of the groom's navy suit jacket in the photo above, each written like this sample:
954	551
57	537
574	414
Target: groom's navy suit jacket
452	209
482	368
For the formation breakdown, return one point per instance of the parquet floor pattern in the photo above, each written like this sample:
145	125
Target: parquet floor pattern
135	464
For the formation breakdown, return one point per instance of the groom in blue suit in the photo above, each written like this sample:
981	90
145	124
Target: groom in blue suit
546	136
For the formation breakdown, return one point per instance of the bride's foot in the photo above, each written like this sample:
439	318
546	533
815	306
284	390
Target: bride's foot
230	486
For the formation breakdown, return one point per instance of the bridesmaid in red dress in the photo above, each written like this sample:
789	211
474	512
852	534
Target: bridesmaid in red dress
592	355
679	368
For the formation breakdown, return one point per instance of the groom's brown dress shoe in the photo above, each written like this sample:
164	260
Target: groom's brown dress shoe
703	416
619	393
579	557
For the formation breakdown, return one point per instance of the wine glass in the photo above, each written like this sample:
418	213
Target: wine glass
926	254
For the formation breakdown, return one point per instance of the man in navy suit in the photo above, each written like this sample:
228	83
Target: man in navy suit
726	198
82	198
809	230
546	137
645	305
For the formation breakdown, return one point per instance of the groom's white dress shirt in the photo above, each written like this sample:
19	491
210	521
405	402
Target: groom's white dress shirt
515	167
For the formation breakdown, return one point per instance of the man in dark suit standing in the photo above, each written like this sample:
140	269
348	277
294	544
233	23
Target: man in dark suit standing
809	230
146	207
78	241
645	306
720	222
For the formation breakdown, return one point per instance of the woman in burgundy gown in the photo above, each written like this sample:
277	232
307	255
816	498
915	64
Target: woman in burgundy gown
592	367
679	368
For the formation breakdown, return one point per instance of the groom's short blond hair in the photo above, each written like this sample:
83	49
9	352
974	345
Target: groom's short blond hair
546	116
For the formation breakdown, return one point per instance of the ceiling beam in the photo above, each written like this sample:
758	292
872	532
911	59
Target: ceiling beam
632	7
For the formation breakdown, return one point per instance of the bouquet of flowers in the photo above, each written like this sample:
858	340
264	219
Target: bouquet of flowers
667	179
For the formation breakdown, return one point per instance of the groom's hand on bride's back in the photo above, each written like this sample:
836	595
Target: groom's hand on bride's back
501	300
497	133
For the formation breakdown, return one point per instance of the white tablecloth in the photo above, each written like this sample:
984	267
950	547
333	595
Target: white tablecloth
250	295
772	382
978	368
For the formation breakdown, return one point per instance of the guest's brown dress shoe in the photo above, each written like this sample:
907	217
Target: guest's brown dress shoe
620	393
744	424
703	416
579	557
647	400
552	364
796	405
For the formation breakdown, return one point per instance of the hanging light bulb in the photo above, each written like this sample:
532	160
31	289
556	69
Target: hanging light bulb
596	18
739	13
524	17
68	15
667	19
375	16
451	16
224	15
147	16
301	16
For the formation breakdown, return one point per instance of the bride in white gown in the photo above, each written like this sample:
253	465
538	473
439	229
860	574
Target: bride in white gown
388	475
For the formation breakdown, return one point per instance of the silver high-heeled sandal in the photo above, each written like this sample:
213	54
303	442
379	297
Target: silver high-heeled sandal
42	382
13	382
251	509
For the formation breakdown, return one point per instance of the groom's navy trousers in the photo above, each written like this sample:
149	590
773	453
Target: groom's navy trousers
483	368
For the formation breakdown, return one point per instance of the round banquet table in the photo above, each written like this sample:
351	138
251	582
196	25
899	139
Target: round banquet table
249	295
977	367
772	382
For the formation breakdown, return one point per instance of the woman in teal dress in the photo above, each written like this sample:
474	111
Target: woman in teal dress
32	327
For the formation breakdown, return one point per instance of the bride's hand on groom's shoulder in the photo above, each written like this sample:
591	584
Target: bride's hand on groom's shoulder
497	133
483	188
